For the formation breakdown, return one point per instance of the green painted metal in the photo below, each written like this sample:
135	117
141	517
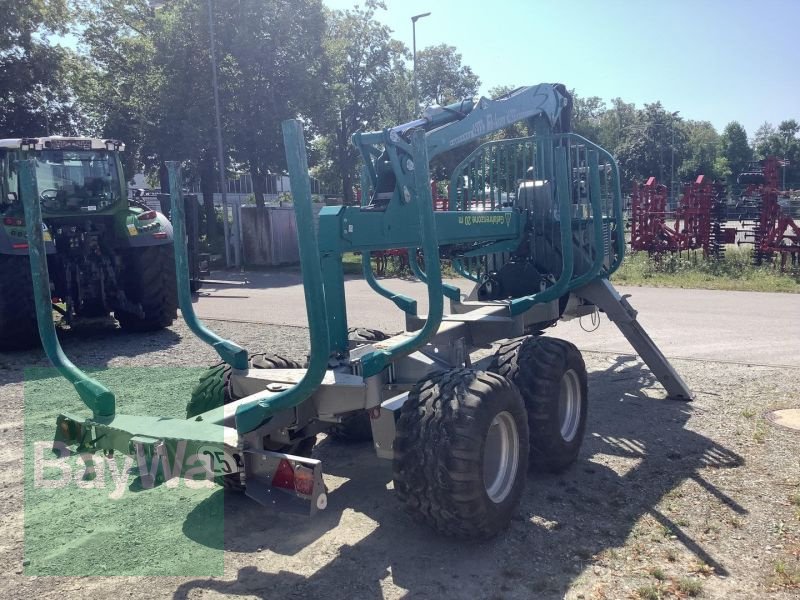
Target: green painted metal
231	353
462	270
543	101
404	303
260	408
350	229
94	394
450	292
374	362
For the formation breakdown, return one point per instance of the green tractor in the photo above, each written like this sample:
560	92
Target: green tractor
105	254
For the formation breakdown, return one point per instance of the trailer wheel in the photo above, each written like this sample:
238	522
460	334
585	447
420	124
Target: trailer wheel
213	391
18	328
356	427
148	279
461	452
551	376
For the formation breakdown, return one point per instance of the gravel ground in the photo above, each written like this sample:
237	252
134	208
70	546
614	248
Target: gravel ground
666	500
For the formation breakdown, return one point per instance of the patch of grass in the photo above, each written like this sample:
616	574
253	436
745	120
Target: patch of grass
787	575
748	413
672	555
650	592
658	573
735	523
690	587
795	499
735	272
760	432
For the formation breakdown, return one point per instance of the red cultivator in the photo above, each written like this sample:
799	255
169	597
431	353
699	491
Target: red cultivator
774	232
697	223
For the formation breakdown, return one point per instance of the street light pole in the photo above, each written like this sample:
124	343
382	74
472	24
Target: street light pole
672	166
220	152
414	20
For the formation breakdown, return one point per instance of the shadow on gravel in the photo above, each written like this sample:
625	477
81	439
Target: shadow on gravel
90	345
637	450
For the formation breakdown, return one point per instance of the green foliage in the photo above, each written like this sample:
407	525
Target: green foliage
735	149
647	144
36	95
362	66
783	143
442	78
735	272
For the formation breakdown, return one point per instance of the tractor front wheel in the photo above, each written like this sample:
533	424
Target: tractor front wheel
551	376
461	452
18	329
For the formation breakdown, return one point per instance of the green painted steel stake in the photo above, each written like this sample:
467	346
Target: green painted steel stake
251	415
450	292
231	353
374	362
94	394
404	303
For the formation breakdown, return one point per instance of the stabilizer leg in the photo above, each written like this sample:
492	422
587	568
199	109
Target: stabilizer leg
603	295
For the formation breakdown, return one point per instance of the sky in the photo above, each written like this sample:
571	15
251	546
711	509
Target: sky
712	60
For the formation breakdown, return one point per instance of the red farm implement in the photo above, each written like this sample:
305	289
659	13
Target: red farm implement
772	230
697	223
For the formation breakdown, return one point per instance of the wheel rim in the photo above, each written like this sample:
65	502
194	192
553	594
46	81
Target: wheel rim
500	457
569	405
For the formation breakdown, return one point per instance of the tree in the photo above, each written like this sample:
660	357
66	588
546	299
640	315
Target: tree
587	116
735	148
783	144
273	66
647	144
702	147
441	78
36	95
363	64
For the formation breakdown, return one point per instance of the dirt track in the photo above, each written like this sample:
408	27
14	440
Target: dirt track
665	497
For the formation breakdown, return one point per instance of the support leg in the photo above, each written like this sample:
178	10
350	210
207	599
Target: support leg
602	294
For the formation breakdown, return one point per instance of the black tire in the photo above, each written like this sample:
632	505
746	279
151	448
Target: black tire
18	328
213	391
364	335
541	367
148	279
443	434
356	427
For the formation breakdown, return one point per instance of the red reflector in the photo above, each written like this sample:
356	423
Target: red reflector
13	221
147	215
19	246
160	235
284	476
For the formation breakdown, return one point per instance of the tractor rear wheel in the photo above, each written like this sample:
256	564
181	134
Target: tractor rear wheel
213	391
356	427
148	279
461	452
551	376
18	329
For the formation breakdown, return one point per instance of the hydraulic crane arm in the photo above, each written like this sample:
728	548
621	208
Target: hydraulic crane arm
547	106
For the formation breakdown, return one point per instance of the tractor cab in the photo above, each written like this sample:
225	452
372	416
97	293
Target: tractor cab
74	175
